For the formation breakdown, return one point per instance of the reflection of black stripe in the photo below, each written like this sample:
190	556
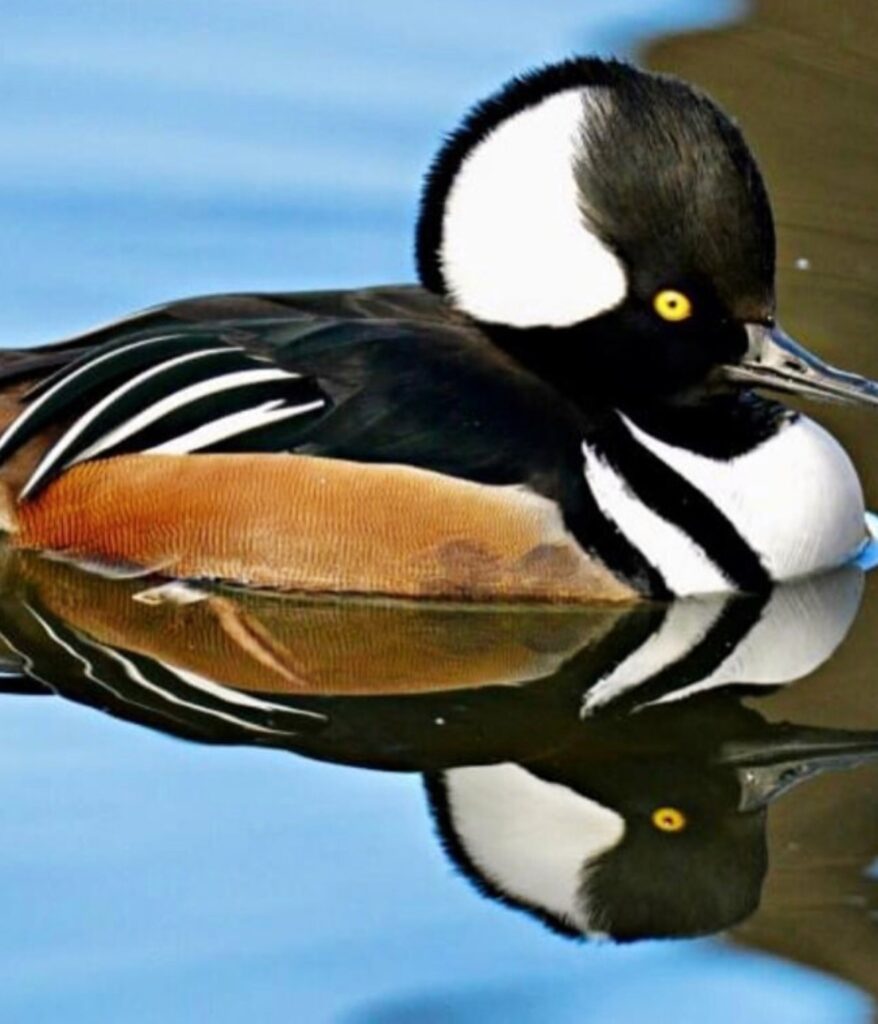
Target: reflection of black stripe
596	662
732	627
677	501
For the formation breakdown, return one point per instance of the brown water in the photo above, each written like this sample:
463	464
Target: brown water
801	77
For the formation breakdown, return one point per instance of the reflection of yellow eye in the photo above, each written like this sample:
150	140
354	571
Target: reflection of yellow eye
668	819
672	305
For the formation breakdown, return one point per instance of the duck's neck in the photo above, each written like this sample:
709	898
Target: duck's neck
721	425
726	493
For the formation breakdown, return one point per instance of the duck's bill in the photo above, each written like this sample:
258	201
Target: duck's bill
769	768
777	362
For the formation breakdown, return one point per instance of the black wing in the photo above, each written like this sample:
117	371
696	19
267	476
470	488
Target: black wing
173	392
379	375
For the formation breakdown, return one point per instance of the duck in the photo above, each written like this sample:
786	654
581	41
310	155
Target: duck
606	771
564	409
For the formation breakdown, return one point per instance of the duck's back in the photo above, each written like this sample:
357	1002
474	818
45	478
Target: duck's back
364	441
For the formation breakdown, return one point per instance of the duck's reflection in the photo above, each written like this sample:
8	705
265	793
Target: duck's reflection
595	767
648	826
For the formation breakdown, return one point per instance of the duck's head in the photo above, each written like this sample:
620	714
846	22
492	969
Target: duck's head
610	228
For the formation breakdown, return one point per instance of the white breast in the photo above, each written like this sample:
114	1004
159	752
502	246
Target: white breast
795	499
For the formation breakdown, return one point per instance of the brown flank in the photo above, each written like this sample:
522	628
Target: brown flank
312	524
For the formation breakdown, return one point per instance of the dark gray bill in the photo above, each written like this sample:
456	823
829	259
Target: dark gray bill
769	768
775	361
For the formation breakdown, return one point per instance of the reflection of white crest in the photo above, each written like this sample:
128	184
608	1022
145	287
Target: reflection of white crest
531	840
801	625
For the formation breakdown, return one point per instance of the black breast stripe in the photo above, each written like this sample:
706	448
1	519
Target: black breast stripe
677	501
732	627
601	537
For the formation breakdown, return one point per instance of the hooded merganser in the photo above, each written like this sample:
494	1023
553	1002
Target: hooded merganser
594	767
561	412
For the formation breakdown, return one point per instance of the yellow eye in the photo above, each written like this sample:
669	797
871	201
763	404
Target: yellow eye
672	305
669	819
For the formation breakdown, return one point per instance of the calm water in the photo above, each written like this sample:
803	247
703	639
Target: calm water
388	808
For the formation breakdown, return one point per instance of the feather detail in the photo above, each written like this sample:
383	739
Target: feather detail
172	393
306	523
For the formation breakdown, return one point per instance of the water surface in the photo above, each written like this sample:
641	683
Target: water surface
300	860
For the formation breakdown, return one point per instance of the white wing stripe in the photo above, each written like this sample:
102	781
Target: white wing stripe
19	421
174	401
56	453
228	426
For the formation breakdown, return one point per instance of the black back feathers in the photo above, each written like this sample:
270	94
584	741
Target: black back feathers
171	392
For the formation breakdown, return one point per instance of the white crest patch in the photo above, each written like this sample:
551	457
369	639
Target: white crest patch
685	568
516	249
532	839
795	499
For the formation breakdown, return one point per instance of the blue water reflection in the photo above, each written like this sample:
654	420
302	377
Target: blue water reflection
161	149
147	879
153	150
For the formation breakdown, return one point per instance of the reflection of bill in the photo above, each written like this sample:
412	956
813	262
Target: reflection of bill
594	767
